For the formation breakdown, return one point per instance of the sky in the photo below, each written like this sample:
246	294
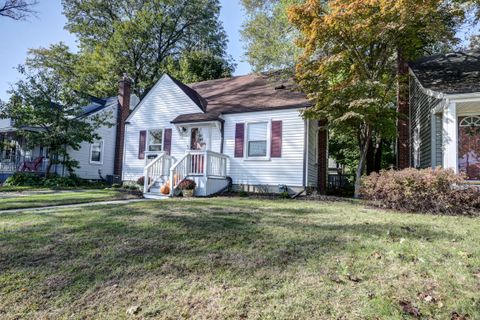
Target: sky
48	28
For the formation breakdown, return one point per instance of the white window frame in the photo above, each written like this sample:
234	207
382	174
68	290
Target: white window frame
269	140
102	143
148	139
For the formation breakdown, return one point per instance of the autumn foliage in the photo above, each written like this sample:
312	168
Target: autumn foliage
437	191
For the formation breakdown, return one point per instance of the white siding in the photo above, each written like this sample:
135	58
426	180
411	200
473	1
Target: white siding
288	170
163	104
312	153
88	170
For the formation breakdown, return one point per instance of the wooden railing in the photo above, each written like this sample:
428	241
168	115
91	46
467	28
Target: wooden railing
198	164
156	170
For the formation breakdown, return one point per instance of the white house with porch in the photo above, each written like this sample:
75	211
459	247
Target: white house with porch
249	128
445	112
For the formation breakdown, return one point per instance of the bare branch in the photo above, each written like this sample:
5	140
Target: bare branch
17	9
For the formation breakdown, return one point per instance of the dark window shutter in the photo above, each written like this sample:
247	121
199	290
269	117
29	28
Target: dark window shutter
276	145
168	141
239	137
142	144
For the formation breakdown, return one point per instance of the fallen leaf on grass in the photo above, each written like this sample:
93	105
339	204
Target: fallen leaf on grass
456	316
354	278
409	308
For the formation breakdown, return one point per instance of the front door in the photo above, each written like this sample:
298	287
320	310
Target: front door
199	138
199	141
469	147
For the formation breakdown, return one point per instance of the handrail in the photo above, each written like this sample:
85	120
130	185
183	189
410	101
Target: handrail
156	170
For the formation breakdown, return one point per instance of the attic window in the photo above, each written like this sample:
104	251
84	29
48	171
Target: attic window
280	87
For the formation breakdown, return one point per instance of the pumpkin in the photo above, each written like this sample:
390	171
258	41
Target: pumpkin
165	189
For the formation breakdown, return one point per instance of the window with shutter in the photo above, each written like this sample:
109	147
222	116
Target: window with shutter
257	137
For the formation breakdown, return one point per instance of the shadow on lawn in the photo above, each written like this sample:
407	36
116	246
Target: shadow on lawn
123	243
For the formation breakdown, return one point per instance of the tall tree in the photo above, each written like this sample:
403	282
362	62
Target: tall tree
141	37
268	35
17	9
350	49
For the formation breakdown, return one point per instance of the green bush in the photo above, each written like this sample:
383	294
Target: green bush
436	191
23	179
29	179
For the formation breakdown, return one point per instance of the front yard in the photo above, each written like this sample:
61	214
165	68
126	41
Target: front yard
45	198
237	258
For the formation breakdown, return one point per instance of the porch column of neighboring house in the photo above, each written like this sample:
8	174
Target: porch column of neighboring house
450	139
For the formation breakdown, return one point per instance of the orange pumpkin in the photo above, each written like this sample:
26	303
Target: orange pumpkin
165	189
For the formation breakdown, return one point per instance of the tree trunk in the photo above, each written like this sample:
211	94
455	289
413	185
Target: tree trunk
378	156
370	161
361	164
403	109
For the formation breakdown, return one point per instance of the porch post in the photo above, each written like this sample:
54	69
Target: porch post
450	141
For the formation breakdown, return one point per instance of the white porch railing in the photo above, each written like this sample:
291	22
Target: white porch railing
207	164
156	170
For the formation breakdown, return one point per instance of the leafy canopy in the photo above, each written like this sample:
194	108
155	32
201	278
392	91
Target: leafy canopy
142	38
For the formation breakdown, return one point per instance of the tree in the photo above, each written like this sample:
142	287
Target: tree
17	9
350	53
48	112
268	35
142	37
197	66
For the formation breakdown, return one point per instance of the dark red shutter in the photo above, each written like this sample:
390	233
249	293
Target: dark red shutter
168	141
239	137
276	146
142	142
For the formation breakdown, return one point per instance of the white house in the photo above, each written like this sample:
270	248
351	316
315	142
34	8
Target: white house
249	128
100	160
445	112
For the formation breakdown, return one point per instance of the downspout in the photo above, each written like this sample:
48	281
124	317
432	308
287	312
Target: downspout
222	136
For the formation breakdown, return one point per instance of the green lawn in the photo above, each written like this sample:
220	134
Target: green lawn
46	198
237	259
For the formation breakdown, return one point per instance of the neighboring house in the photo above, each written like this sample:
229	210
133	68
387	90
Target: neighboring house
96	161
445	112
249	128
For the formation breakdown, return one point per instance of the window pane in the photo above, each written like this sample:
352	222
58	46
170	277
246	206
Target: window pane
155	147
257	131
95	156
156	137
257	148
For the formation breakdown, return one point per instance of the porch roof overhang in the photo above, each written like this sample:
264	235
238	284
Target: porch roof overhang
196	118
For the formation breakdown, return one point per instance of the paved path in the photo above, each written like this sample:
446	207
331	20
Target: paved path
89	204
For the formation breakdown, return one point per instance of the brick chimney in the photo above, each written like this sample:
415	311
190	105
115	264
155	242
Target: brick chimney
124	93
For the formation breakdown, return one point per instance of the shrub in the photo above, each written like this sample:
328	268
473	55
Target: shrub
141	181
55	181
24	179
187	184
435	191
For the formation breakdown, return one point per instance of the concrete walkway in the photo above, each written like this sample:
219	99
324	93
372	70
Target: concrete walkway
79	205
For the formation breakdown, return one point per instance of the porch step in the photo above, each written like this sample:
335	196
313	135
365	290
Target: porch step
155	195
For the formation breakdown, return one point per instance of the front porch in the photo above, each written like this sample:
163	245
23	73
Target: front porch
456	137
15	156
163	173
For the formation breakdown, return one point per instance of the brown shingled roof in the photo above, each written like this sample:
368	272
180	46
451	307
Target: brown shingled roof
254	92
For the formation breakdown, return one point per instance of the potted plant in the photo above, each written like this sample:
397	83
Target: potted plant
188	187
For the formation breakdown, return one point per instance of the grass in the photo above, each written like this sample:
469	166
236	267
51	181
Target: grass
55	198
237	259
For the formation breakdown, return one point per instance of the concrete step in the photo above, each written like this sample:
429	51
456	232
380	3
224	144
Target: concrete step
156	196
